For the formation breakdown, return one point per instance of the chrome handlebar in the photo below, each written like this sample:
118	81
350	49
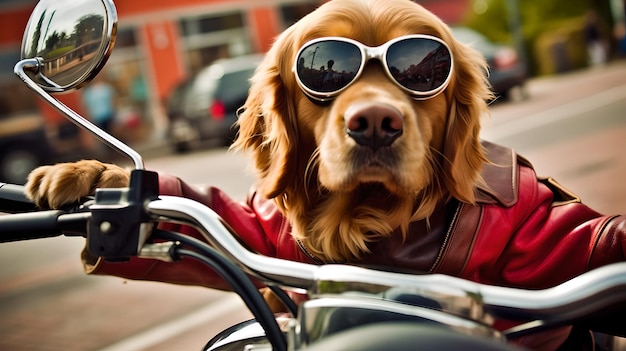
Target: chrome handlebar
576	298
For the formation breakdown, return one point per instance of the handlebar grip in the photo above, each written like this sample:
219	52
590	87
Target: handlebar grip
13	200
32	225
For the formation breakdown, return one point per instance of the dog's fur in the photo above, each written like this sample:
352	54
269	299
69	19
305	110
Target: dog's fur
337	196
335	201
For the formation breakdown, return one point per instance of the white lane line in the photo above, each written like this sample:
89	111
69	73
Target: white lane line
167	331
555	114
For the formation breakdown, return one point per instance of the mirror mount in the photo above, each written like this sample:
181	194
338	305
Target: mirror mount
65	45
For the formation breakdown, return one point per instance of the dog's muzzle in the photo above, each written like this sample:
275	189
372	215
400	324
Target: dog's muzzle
373	125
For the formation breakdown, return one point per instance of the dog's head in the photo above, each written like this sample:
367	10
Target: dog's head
366	161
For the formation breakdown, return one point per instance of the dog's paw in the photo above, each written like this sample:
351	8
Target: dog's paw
66	183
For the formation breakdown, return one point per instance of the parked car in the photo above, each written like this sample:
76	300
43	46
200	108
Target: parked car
204	107
19	139
26	142
506	71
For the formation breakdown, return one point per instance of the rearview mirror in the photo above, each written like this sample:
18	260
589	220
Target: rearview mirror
66	43
70	41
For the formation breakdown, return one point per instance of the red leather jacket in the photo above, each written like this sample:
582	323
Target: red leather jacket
524	232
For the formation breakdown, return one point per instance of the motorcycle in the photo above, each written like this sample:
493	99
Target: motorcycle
348	307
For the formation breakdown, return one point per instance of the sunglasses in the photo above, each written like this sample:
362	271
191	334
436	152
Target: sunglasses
419	64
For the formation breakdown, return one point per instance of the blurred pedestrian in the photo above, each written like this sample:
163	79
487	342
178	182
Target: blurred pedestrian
99	102
596	49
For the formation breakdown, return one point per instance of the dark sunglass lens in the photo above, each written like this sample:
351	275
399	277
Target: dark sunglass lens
328	66
419	64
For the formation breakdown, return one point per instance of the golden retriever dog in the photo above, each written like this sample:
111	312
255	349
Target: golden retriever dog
337	189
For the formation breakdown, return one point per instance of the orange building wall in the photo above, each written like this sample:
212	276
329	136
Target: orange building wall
161	38
72	100
13	25
263	20
139	7
264	25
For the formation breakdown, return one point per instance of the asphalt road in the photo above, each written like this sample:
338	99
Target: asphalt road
572	127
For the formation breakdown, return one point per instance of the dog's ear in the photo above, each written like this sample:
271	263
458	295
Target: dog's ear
267	121
468	93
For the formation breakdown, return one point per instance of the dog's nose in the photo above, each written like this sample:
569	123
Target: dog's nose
373	125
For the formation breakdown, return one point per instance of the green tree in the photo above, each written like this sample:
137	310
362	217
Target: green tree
543	23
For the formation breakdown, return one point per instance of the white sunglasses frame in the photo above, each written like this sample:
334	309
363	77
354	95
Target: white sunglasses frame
368	53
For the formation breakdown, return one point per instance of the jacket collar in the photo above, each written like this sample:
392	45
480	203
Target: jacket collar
501	176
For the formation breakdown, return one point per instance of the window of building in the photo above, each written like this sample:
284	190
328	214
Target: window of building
209	37
125	38
291	13
209	24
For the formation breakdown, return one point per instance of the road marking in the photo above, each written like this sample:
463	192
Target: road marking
555	114
223	306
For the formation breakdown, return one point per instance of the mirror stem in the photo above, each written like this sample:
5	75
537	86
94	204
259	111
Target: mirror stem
74	117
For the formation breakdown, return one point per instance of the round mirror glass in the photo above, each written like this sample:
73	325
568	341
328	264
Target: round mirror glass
71	39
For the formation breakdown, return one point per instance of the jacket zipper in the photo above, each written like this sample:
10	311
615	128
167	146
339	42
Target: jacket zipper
446	238
308	254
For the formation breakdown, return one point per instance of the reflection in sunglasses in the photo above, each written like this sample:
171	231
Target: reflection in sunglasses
430	73
328	76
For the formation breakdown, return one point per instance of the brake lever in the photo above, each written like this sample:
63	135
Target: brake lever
119	225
